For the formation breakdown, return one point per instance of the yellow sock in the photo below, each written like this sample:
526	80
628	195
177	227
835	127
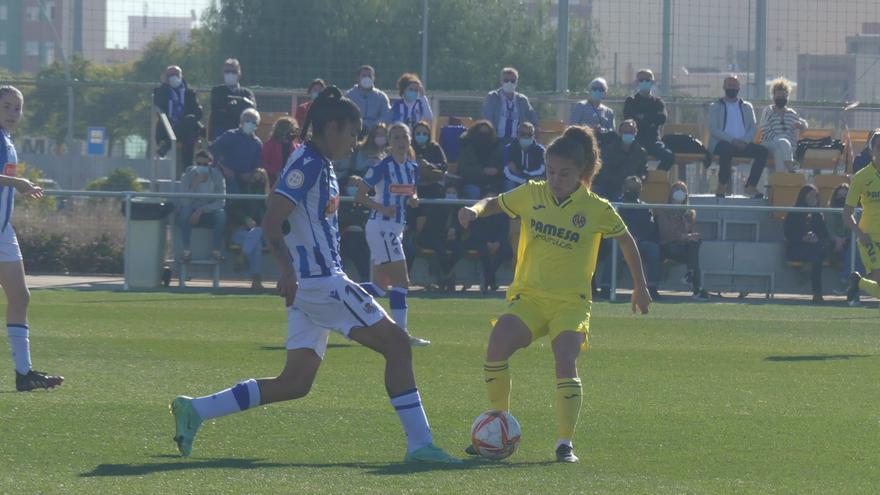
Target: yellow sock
498	384
870	287
569	395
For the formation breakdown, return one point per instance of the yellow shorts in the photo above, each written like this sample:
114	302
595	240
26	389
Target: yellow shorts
871	254
547	316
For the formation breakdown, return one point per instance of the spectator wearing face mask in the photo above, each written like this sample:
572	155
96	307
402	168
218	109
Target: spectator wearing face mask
315	88
678	239
431	160
505	108
279	146
732	128
622	157
245	217
181	105
202	178
371	150
373	102
649	112
591	112
523	159
229	99
412	107
840	236
806	238
479	163
239	151
780	125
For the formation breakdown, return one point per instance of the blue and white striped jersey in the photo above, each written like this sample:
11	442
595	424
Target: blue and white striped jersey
8	160
309	182
394	184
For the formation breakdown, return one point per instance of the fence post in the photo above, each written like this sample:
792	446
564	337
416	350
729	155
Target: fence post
125	256
613	295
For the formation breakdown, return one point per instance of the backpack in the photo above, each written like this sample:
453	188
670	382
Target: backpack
685	143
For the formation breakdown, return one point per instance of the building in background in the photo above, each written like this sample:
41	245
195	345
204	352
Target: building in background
825	77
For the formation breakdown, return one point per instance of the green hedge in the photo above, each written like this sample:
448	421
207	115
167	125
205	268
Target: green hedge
56	253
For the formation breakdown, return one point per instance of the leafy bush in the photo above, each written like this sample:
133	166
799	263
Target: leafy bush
56	253
120	179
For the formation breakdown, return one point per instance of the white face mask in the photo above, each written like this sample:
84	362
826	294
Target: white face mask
249	127
381	141
508	87
679	196
230	78
174	81
367	82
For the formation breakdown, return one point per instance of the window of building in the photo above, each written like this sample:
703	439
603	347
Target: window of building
31	48
48	53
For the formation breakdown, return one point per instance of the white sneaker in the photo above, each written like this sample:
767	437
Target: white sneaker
417	342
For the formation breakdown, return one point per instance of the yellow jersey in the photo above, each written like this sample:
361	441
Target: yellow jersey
558	242
865	188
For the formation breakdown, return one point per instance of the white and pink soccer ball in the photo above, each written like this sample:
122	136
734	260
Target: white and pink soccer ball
495	434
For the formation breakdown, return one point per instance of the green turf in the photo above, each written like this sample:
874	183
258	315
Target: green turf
694	398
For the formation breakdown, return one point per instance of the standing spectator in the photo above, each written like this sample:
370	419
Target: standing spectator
202	178
780	125
840	237
279	146
432	163
246	216
621	158
315	88
679	241
181	105
591	112
229	99
649	112
732	128
372	101
412	107
479	161
864	158
490	238
506	109
523	159
239	151
806	238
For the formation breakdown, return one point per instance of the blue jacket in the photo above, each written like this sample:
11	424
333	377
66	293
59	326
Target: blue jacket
237	151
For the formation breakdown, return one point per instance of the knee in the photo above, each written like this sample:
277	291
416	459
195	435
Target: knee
297	389
395	343
18	298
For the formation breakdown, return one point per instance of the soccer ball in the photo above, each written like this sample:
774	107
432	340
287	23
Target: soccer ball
495	434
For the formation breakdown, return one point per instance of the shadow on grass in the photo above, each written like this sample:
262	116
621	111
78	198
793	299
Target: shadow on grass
816	357
176	463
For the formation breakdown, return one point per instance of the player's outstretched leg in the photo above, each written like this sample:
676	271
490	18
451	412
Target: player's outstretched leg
392	342
569	392
294	382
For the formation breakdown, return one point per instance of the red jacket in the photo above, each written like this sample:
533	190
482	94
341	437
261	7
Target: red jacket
301	111
273	158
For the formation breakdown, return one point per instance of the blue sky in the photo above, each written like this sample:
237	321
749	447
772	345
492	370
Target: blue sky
119	10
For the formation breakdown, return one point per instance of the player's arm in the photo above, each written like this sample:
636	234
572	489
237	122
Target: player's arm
279	208
22	185
640	297
850	221
362	198
482	208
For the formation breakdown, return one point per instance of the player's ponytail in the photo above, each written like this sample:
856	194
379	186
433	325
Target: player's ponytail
578	143
329	106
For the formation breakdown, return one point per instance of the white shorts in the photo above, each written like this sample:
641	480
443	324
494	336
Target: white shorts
9	250
328	303
385	240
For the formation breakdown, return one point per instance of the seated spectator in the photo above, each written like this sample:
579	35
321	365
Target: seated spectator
865	157
840	237
649	112
506	109
450	141
202	178
229	100
523	159
283	141
641	224
239	151
315	88
780	125
181	105
371	150
412	107
678	240
591	112
479	162
372	101
353	240
432	163
441	233
621	158
245	217
732	129
806	238
490	239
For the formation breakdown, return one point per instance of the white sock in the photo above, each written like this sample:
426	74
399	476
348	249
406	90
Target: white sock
244	395
21	346
397	301
412	416
564	441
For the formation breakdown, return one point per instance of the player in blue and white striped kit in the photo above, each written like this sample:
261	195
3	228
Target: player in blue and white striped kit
318	295
11	266
394	179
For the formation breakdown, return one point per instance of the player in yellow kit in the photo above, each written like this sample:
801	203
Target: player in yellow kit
562	222
865	188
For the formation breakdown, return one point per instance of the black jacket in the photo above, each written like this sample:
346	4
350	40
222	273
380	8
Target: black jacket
227	105
162	94
798	224
649	112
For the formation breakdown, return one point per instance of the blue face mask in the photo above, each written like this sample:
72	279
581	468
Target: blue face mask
351	191
597	95
421	138
411	96
628	138
202	169
646	85
249	127
525	142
